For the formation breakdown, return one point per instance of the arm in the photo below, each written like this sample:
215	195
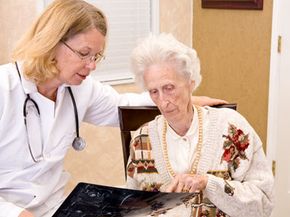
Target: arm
100	102
252	196
6	208
251	179
138	152
104	101
145	99
205	100
248	190
25	213
131	181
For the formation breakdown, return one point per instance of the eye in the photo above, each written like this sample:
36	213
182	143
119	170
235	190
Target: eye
168	88
84	54
153	92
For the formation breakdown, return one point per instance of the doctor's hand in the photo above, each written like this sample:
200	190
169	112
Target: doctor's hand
25	213
205	100
188	183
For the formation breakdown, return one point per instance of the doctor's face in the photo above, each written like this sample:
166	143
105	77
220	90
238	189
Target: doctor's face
78	56
170	91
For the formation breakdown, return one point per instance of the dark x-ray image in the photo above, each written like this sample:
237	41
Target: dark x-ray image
90	200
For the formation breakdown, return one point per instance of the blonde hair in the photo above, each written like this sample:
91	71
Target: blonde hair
61	20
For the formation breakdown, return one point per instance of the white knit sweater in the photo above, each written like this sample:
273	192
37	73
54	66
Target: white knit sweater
245	168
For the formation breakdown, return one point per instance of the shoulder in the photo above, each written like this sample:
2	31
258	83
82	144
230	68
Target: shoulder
230	126
147	128
8	77
143	135
95	89
239	141
9	81
148	134
226	117
140	138
228	121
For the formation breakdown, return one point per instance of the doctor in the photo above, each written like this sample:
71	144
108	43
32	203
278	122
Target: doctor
44	95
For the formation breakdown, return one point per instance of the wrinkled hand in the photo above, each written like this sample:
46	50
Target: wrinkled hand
188	183
25	213
205	100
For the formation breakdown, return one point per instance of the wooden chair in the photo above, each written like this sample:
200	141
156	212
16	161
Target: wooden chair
132	117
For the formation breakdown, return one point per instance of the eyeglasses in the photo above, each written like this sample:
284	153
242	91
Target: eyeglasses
96	58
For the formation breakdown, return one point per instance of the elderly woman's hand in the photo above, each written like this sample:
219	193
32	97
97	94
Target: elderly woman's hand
205	100
25	213
188	183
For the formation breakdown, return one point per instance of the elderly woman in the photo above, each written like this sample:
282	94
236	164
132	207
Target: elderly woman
194	149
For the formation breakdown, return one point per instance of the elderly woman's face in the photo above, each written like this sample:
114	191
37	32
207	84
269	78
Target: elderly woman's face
169	90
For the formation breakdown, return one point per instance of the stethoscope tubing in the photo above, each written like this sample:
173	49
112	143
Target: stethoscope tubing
78	143
75	111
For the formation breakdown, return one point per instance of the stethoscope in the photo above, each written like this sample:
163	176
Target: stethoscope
78	143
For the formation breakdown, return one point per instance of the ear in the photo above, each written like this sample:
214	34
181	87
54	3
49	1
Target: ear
192	85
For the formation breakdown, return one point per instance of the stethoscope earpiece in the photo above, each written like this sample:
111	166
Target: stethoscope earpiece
79	144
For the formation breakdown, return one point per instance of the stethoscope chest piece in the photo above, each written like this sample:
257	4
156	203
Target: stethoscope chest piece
79	144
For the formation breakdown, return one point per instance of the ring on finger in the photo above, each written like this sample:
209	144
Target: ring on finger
185	189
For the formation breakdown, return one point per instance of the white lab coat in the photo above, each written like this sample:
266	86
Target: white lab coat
39	187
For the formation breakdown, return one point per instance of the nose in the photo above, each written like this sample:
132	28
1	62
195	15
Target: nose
163	100
91	65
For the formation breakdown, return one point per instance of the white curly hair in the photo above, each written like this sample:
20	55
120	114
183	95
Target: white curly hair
164	48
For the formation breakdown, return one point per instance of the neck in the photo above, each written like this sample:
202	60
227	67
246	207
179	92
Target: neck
48	89
197	151
182	126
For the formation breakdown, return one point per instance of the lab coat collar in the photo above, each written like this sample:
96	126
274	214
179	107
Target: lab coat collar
30	87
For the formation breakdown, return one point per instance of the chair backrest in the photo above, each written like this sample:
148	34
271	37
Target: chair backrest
132	117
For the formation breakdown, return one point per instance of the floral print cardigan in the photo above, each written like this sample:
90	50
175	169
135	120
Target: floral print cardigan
240	181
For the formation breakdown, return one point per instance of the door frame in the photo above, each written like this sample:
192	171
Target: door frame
273	88
278	107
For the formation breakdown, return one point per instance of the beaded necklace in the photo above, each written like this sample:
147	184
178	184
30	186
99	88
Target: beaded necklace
197	150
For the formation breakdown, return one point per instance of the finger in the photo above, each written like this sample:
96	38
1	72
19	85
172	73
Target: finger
214	101
186	189
180	186
197	183
184	180
192	189
188	183
205	100
172	186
